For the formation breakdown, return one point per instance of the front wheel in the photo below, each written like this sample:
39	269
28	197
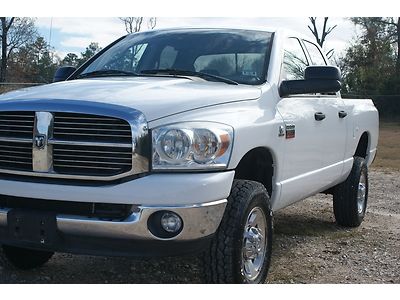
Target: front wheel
241	249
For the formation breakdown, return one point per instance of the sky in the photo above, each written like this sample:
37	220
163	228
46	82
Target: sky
74	34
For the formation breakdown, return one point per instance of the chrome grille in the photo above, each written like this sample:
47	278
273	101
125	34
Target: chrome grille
16	131
16	124
91	160
84	146
15	156
111	151
83	127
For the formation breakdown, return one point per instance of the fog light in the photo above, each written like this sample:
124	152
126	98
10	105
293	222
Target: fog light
171	222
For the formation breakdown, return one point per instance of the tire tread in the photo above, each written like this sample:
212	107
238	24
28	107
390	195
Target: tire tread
219	260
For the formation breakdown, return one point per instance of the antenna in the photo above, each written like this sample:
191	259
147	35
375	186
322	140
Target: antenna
51	29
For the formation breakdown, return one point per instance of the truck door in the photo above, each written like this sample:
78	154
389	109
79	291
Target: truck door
334	126
314	141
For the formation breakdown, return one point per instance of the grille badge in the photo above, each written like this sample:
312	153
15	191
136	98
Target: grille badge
40	141
42	152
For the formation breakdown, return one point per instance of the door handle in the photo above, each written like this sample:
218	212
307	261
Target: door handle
342	114
319	116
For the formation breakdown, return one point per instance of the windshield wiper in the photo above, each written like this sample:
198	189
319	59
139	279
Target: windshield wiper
189	73
100	73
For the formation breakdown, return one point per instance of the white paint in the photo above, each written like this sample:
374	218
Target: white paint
319	157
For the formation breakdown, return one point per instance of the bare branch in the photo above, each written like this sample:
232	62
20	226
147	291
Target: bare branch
392	23
330	29
132	24
152	23
330	53
10	23
320	39
15	33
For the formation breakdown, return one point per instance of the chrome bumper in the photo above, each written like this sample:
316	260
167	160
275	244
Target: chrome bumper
199	220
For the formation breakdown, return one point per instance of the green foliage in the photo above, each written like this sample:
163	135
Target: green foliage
91	50
34	62
369	65
71	59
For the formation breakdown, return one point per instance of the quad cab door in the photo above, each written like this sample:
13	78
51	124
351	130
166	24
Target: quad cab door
315	134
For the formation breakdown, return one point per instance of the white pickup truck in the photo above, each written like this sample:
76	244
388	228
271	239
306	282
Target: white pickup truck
177	141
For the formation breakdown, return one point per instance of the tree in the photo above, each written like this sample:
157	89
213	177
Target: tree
90	51
393	30
320	38
71	59
152	23
44	65
34	62
370	62
15	33
134	24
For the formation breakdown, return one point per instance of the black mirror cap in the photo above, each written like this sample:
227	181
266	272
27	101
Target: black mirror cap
63	73
309	86
323	73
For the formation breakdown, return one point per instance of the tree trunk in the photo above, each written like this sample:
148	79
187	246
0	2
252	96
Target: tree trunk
398	47
3	68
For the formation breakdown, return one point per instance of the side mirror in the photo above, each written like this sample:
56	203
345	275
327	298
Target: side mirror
63	73
317	79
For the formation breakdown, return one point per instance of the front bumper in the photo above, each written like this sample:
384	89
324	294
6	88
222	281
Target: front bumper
199	199
131	236
180	189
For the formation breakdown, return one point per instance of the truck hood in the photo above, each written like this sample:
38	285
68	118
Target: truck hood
156	97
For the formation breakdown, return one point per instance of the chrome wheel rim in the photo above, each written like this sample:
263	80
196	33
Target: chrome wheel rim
362	193
254	244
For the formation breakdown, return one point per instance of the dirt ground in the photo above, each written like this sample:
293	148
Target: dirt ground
308	248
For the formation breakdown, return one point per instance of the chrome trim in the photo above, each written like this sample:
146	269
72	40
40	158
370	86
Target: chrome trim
135	118
199	220
254	244
75	143
15	140
42	152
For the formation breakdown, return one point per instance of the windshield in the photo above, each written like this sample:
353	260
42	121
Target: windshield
238	55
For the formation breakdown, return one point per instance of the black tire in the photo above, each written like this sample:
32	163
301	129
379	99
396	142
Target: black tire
345	197
222	262
25	259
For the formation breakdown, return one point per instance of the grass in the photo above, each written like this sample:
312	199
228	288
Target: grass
388	146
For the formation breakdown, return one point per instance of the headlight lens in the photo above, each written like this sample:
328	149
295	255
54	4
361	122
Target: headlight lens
192	146
175	145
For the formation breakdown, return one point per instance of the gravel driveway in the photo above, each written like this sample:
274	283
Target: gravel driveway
308	248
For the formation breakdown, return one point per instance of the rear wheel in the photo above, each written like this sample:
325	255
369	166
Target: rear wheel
26	259
350	197
241	249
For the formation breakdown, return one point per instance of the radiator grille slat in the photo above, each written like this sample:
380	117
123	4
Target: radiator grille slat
84	127
15	129
92	157
17	124
91	160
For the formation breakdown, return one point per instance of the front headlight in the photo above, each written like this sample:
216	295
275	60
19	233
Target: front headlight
192	145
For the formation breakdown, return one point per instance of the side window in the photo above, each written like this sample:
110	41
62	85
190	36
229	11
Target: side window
317	59
294	60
